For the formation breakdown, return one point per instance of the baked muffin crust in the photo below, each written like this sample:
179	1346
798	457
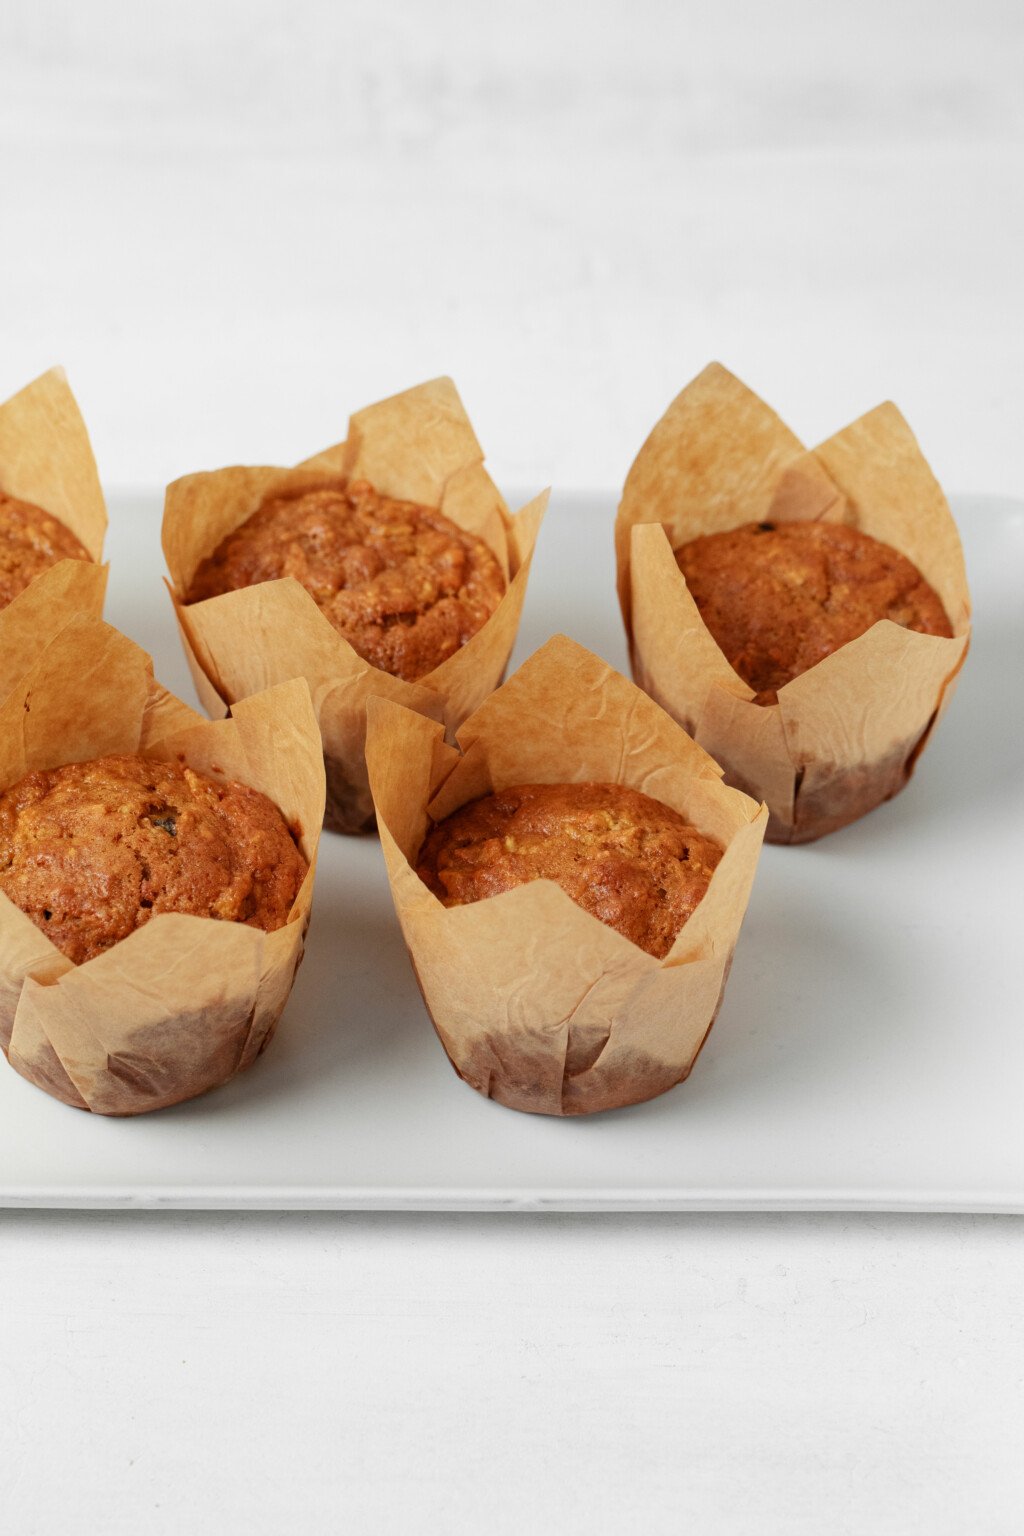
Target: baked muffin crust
401	582
30	541
93	850
779	597
630	861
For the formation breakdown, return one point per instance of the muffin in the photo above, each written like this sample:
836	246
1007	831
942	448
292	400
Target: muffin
616	869
780	597
52	522
388	565
630	861
156	875
30	542
402	583
91	851
815	666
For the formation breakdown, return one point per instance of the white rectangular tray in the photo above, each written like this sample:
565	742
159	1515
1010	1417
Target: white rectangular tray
869	1052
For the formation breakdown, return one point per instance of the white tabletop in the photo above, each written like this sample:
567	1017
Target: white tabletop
234	224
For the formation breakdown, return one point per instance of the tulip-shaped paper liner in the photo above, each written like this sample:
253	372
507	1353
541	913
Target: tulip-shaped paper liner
417	446
183	1003
845	735
537	1003
46	459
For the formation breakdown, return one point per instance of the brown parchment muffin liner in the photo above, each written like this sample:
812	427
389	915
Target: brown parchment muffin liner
537	1003
417	446
46	459
846	734
184	1003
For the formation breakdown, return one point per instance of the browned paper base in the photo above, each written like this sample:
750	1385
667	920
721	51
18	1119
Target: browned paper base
538	1004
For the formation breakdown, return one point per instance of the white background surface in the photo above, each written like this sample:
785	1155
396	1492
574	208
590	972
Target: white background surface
233	223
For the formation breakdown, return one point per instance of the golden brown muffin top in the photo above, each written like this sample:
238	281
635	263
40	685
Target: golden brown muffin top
30	541
627	859
402	583
93	850
779	597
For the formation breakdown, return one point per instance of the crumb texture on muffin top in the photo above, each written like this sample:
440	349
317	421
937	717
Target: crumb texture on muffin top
403	584
30	541
779	597
630	861
92	850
